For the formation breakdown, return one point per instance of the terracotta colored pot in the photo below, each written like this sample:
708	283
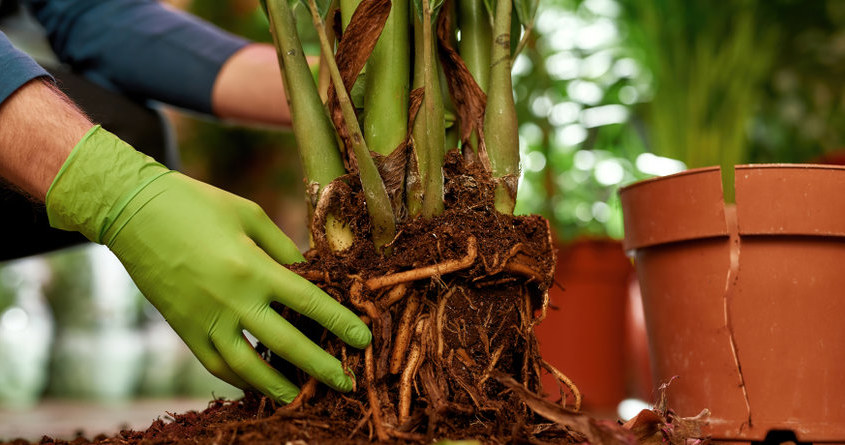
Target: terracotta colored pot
745	303
584	336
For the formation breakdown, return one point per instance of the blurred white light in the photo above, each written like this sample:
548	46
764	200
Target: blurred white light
564	113
585	92
658	165
571	135
522	65
626	67
596	65
629	408
604	115
534	161
532	133
563	32
14	319
601	211
550	19
609	172
583	212
600	33
541	106
584	160
607	8
563	66
628	95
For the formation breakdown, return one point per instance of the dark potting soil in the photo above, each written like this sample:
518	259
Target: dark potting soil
452	310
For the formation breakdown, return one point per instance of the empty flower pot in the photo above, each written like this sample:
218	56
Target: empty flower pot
745	302
583	334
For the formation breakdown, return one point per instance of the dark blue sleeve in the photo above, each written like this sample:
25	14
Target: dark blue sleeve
139	47
16	68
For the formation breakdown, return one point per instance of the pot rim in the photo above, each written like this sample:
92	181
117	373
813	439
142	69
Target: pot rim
770	199
700	170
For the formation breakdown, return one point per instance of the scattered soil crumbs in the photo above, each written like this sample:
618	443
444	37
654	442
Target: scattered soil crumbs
452	310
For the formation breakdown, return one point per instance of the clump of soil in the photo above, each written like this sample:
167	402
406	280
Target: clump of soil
452	310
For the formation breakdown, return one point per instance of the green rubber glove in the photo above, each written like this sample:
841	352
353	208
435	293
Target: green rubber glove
209	261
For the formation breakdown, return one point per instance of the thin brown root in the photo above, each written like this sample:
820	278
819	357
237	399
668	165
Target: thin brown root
361	423
438	269
372	394
403	334
524	270
305	393
314	276
366	306
411	369
563	380
416	437
441	316
397	293
492	365
261	407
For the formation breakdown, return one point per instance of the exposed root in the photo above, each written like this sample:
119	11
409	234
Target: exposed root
305	393
411	369
494	358
440	317
366	306
397	293
372	394
525	270
361	423
439	269
563	380
403	334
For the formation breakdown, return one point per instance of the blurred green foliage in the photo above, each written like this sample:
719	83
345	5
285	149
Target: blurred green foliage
575	85
801	116
703	82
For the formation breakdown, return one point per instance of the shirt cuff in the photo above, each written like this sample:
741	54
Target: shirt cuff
16	69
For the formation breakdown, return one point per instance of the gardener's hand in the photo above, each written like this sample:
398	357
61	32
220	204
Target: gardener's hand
208	260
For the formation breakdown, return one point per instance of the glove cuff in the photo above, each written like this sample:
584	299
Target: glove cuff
100	176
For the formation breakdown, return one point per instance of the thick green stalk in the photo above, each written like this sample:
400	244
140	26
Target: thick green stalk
429	128
500	124
312	127
378	202
476	35
387	84
347	8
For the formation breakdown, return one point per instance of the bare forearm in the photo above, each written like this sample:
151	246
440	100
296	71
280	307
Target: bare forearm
39	127
249	87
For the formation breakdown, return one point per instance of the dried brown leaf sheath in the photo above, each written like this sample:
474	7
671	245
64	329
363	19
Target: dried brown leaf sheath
354	49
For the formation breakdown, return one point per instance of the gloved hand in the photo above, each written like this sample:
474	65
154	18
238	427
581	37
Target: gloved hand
208	260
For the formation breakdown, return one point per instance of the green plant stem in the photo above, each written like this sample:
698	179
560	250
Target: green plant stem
387	84
347	8
315	135
378	202
500	125
526	36
476	35
429	127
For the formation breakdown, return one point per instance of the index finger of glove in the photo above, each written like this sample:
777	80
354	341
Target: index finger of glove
309	300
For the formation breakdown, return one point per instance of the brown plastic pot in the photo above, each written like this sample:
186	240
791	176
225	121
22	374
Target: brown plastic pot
584	333
746	303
